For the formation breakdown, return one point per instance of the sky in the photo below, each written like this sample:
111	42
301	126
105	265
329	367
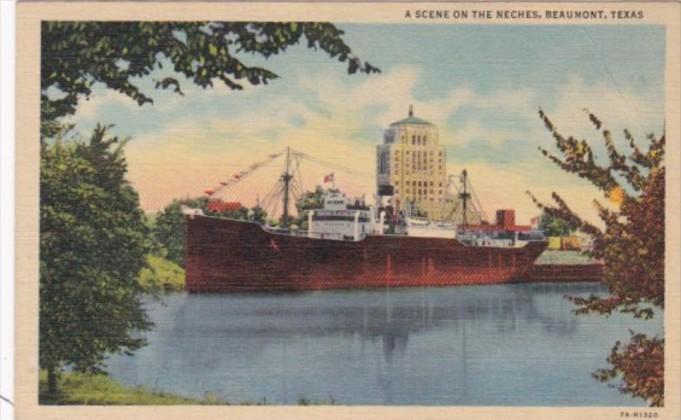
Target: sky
482	85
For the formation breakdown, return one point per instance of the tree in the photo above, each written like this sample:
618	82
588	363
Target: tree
93	242
309	200
169	229
77	55
93	239
161	275
554	226
632	246
258	215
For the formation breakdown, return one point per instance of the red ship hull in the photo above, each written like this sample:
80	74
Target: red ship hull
235	256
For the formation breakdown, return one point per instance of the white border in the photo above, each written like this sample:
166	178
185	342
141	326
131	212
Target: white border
7	66
30	14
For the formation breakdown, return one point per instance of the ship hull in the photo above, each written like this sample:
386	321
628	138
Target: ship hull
224	255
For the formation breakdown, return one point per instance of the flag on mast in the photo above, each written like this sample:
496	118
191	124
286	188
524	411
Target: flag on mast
329	178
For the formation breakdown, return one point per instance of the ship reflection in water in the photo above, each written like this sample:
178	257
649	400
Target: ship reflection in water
515	344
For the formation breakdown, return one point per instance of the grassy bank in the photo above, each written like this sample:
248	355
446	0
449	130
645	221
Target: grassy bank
161	275
563	257
85	389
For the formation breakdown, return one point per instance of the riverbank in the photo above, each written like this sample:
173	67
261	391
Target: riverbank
565	266
90	389
557	257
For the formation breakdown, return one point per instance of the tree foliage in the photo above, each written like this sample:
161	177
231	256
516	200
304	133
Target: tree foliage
310	199
161	275
554	226
631	245
307	201
169	229
641	362
93	242
77	55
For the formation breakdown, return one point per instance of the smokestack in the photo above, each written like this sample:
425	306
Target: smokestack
411	110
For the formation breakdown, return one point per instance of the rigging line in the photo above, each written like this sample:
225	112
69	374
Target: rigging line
268	197
300	176
297	192
331	165
296	187
278	194
272	197
477	203
247	172
277	199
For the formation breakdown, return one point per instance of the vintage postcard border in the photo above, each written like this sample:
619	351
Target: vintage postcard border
27	201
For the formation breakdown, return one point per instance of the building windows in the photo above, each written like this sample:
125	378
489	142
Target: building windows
383	163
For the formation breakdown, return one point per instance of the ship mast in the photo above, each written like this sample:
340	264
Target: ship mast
286	177
465	196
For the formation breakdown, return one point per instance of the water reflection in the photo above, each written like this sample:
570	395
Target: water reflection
507	344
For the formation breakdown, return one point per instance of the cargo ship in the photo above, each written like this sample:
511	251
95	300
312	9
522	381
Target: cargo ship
347	244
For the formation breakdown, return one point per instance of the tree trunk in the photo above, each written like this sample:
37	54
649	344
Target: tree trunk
52	382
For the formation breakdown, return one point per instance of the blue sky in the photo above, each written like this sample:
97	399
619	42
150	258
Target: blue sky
481	84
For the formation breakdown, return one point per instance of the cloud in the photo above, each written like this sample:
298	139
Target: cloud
474	131
101	98
494	134
193	155
390	92
616	107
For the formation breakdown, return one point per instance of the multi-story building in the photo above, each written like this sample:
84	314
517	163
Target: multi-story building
413	162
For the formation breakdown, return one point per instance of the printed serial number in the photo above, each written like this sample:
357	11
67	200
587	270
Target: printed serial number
638	414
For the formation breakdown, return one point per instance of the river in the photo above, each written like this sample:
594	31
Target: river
513	345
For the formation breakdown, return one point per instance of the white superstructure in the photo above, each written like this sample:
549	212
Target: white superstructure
425	228
341	219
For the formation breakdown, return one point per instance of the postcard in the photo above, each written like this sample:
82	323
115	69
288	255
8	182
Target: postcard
348	210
